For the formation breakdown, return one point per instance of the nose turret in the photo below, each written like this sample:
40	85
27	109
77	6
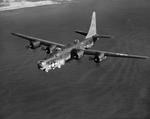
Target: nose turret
39	64
46	65
43	66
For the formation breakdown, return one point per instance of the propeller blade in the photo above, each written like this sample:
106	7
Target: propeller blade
27	47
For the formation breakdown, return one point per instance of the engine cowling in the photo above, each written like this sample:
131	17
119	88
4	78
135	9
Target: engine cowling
34	45
99	58
58	49
49	49
53	47
76	54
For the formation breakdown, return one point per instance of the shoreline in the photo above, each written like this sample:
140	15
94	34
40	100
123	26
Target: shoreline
27	4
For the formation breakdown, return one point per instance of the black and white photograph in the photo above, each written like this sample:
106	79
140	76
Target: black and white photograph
74	59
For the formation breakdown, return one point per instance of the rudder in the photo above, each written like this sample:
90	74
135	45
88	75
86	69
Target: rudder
92	30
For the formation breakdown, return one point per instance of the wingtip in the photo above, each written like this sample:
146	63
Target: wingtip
12	33
147	57
144	57
15	34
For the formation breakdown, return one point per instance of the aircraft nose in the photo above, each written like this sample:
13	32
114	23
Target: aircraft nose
39	65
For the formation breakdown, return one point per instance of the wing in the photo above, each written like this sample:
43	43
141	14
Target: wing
113	54
42	42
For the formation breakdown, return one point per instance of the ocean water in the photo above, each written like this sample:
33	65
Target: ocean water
116	88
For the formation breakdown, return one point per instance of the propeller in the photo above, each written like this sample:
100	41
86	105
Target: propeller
92	59
27	46
46	49
79	60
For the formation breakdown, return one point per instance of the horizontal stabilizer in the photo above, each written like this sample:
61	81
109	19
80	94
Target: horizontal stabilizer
105	36
82	33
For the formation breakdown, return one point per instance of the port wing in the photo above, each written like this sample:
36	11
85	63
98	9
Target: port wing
33	39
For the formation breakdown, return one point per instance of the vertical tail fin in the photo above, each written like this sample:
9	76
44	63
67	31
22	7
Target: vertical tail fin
92	30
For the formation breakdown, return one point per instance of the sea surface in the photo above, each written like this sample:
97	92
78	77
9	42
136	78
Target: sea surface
114	89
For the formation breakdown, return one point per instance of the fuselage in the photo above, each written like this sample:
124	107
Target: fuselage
58	58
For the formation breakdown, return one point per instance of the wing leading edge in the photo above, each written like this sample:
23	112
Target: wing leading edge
113	54
43	42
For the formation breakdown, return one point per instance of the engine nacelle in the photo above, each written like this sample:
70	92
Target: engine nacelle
52	47
99	58
49	49
58	49
33	45
36	44
76	54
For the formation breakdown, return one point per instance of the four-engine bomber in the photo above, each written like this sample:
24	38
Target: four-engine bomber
59	54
